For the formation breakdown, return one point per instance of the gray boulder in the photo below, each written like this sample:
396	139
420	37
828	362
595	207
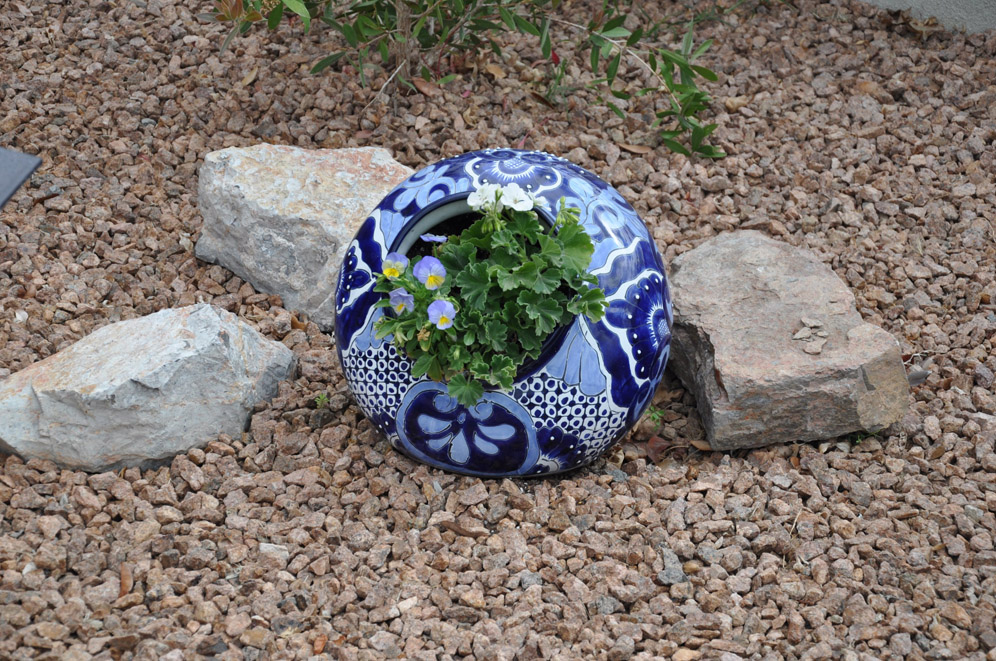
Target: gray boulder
141	390
770	342
281	218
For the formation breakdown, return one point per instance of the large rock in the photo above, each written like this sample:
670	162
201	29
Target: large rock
141	390
282	217
769	340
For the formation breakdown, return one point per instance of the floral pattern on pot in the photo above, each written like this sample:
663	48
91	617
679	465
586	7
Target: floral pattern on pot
592	381
494	437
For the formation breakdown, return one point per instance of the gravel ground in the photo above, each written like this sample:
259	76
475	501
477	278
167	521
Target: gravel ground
849	132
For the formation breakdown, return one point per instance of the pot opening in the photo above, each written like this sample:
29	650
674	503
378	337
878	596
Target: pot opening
447	217
451	216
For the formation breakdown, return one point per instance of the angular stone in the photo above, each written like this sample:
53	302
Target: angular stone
141	390
739	300
281	217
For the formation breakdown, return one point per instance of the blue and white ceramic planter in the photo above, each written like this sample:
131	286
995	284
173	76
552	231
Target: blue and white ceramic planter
593	380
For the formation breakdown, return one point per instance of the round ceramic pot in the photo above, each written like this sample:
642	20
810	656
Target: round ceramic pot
592	381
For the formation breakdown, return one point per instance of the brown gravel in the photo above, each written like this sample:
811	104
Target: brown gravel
848	132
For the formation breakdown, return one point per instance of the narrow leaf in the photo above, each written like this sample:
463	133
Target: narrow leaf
613	67
326	62
676	147
708	74
298	7
701	49
615	33
273	21
525	26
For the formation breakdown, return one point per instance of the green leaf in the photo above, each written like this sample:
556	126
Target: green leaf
455	255
614	22
546	47
620	95
635	37
503	372
298	7
591	303
686	43
349	33
526	275
577	247
676	147
435	371
495	334
231	35
474	283
464	390
325	62
595	50
419	24
507	17
526	226
701	49
698	135
273	20
708	74
542	309
616	109
446	79
525	26
711	152
615	33
551	250
421	365
547	281
610	72
366	27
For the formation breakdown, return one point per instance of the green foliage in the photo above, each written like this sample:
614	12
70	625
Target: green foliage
418	39
511	281
321	400
655	415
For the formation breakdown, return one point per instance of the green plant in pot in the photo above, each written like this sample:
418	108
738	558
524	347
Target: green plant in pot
480	304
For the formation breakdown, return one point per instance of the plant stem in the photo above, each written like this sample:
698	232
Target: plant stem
384	86
623	48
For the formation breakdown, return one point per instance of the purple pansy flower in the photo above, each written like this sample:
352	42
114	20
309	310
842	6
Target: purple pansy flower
434	238
441	313
394	265
430	272
402	301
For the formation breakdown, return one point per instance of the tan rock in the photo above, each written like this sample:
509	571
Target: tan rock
282	217
739	300
258	638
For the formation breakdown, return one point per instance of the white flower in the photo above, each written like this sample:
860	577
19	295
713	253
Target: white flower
539	202
484	197
513	196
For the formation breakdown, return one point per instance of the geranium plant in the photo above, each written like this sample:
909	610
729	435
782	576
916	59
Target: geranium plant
482	304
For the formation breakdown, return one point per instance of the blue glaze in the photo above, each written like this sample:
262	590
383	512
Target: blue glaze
593	380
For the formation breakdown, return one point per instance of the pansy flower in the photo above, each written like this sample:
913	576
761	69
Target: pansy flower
441	313
430	272
433	238
401	300
394	265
